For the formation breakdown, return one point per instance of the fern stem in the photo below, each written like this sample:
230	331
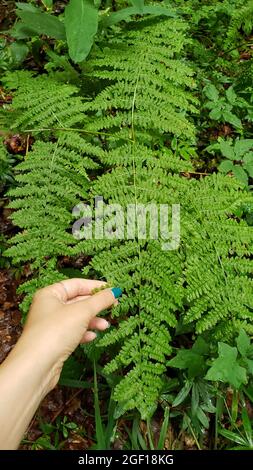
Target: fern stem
136	202
72	129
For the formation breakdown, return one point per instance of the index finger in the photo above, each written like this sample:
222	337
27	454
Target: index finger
71	288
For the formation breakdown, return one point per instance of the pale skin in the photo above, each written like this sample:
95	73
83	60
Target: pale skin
60	318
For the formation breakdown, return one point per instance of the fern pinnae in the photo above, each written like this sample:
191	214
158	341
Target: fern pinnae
117	147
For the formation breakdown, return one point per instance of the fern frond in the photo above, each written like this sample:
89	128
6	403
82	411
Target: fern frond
242	20
157	82
146	98
51	107
52	181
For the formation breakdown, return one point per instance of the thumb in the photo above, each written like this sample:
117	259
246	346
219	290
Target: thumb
90	307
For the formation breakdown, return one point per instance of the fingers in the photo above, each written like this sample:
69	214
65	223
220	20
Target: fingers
89	308
99	302
88	337
71	288
98	324
95	324
77	299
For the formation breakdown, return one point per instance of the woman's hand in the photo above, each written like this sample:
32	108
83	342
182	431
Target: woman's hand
61	317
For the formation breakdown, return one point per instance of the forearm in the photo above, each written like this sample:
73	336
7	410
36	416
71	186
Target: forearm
25	379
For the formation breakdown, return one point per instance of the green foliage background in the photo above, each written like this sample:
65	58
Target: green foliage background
127	109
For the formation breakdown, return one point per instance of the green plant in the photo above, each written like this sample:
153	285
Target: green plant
241	22
11	55
233	365
112	147
194	389
52	433
239	158
64	426
42	443
230	368
224	108
240	432
197	398
104	434
75	29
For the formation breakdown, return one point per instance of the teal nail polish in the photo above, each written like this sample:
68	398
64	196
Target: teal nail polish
117	292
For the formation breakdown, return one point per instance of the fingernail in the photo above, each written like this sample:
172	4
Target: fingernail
92	335
117	292
108	324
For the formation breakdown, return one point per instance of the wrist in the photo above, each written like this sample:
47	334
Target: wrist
26	376
41	365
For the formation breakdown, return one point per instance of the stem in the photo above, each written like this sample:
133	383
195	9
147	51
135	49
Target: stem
151	444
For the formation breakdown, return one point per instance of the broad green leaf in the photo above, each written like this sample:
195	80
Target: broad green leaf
195	399
200	346
242	146
232	436
184	392
18	52
249	168
226	368
213	147
248	157
226	166
202	418
44	443
157	10
191	359
248	163
231	95
243	343
26	7
227	150
240	174
209	407
211	92
126	13
81	22
249	364
181	360
232	119
213	105
138	4
188	359
43	23
21	31
215	114
120	15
